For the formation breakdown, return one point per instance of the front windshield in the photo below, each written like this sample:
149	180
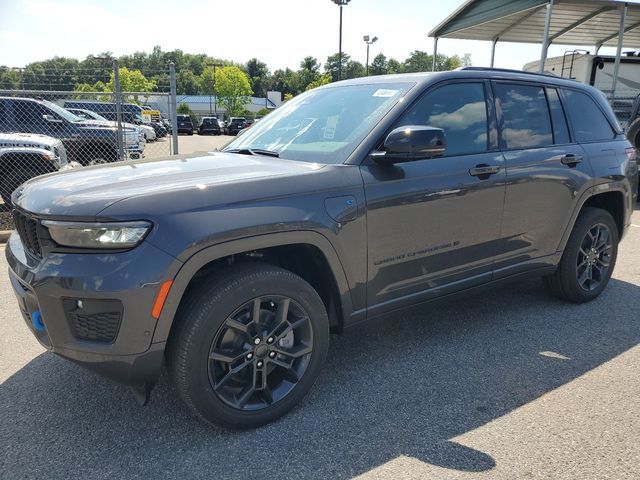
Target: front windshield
66	114
323	125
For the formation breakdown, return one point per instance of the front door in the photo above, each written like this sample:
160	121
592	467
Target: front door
432	224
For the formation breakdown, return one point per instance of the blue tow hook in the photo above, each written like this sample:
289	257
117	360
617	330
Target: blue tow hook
36	321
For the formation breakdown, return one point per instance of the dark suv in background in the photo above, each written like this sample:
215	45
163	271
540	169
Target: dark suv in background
358	199
210	125
185	125
85	142
235	125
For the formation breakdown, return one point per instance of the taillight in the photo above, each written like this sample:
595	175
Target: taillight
632	153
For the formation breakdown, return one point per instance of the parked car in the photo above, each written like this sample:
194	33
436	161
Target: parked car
358	199
210	125
85	142
235	125
130	112
134	149
148	132
26	155
185	125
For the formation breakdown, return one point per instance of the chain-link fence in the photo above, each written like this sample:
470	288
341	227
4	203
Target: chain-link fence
43	131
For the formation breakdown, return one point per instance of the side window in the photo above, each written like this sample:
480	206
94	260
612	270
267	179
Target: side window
559	121
588	121
460	110
525	116
28	113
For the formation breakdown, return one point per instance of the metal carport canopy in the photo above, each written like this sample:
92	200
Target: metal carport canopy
586	22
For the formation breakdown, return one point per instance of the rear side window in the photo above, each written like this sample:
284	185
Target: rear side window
460	110
525	116
588	121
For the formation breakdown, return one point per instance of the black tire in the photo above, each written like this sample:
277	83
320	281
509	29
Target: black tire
565	282
203	319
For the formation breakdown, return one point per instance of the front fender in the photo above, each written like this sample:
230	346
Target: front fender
215	252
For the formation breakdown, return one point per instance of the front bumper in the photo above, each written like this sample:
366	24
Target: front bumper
62	287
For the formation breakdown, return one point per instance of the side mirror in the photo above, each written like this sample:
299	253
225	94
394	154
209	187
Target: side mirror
411	142
52	119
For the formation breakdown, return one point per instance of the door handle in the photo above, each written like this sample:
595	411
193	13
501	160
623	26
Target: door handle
484	170
571	160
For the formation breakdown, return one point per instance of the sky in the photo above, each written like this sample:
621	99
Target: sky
278	32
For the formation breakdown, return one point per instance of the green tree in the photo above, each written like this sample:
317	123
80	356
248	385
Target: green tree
186	83
418	61
379	65
233	89
10	79
207	81
353	69
331	66
321	80
286	81
131	81
309	72
258	75
394	66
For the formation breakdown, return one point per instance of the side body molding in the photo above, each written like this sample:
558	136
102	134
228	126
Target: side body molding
214	252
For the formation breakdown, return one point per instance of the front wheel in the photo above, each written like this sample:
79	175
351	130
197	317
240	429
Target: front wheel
249	346
588	259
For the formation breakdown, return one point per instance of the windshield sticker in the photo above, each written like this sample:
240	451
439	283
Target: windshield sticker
330	127
384	92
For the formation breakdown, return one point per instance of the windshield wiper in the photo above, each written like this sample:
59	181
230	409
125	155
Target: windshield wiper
254	151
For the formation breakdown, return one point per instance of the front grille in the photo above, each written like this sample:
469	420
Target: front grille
27	228
97	327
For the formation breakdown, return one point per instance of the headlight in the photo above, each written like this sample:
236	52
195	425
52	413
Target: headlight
98	235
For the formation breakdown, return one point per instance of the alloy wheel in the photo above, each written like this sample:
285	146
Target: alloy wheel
260	352
594	257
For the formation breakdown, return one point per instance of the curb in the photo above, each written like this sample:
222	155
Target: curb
4	235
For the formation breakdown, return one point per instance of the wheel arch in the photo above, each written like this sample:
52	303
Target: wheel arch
612	200
265	248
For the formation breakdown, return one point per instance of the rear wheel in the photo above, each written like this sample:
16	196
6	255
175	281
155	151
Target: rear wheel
249	346
589	258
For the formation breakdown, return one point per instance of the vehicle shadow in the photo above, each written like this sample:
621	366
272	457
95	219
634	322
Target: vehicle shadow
404	386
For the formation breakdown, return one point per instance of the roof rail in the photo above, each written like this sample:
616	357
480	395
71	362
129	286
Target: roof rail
508	70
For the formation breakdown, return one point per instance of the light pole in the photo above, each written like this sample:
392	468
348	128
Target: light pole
369	42
215	95
340	3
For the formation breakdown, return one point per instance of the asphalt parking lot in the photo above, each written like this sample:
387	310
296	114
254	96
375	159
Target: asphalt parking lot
503	384
186	144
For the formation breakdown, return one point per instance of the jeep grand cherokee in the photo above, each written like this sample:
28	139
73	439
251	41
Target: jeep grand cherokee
351	201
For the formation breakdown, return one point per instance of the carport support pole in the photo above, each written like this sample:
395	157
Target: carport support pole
616	68
173	107
493	51
118	100
545	41
435	53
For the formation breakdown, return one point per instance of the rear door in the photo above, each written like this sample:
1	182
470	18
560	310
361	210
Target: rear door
547	171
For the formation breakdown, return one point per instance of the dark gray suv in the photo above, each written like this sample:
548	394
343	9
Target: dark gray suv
349	202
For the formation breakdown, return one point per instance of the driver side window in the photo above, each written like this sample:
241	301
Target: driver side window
458	109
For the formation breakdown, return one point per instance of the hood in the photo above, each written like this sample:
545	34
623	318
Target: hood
86	192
